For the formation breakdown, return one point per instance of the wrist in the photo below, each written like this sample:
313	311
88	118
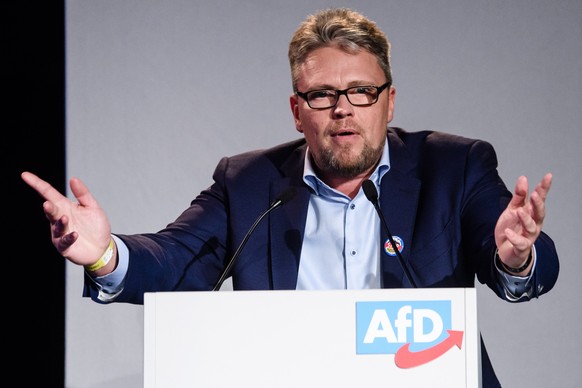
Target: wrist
513	270
103	260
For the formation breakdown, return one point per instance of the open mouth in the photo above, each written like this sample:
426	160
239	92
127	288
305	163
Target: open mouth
343	133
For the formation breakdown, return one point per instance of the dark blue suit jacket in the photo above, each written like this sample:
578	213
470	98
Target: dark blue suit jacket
442	196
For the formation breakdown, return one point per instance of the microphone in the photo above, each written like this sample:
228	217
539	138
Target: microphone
372	195
282	199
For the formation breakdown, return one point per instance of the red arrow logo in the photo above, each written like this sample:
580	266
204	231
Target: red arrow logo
404	358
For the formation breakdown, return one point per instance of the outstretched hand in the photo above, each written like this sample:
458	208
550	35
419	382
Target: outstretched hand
521	222
80	231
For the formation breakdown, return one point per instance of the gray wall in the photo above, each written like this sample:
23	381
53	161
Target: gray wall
158	91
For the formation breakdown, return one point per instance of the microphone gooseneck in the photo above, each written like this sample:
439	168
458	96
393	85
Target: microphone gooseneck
279	201
372	195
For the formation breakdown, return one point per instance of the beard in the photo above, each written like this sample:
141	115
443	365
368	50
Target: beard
342	164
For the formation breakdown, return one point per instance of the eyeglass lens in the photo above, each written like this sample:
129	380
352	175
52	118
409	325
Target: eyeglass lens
358	95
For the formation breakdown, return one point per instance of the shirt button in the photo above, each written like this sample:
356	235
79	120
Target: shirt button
352	206
353	252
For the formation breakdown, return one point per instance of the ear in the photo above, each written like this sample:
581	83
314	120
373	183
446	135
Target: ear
391	99
294	104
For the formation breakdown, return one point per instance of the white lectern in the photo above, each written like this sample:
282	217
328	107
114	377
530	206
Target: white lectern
279	339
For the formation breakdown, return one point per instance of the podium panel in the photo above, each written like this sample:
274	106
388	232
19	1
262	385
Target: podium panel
339	338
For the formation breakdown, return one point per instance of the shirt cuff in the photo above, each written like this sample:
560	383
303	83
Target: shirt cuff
111	285
517	287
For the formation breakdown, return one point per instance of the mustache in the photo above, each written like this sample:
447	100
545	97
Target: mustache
343	128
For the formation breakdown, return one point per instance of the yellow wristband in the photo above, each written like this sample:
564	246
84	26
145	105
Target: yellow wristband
103	260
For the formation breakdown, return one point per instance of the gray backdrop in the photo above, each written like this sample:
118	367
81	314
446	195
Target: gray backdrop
158	91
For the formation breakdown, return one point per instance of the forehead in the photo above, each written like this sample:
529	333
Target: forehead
331	66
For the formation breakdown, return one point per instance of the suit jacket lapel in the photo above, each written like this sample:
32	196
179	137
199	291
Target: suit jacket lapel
287	224
399	195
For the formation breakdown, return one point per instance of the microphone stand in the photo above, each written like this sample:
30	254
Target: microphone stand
282	199
372	195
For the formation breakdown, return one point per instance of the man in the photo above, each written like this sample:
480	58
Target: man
450	212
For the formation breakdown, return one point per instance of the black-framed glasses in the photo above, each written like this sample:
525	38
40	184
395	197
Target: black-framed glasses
357	95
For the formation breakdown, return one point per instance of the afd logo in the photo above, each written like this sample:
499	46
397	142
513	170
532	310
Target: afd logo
416	332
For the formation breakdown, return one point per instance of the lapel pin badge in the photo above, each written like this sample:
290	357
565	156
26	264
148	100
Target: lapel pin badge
389	249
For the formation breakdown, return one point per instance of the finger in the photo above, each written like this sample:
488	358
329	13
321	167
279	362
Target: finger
538	198
530	228
521	244
60	227
51	212
538	208
43	188
65	242
544	186
520	192
82	193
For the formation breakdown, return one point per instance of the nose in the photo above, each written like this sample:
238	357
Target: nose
343	107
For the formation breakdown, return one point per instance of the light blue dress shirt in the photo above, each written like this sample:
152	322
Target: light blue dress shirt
340	245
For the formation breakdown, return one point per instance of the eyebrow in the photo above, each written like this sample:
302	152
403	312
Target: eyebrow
350	84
